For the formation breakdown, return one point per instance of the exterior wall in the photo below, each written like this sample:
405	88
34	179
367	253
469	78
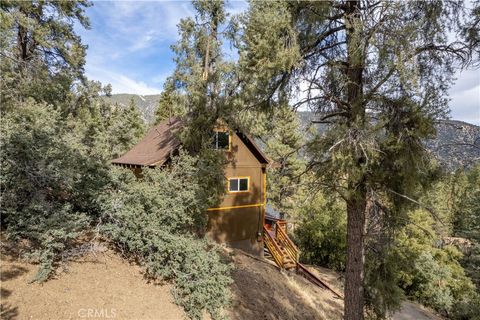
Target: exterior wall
240	228
238	220
242	163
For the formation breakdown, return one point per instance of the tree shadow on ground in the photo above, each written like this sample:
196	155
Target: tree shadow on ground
7	311
261	291
7	273
12	272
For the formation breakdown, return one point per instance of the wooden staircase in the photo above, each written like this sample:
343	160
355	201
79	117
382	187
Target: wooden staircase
285	254
282	249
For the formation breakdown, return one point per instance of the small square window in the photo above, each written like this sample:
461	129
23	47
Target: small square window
238	184
221	140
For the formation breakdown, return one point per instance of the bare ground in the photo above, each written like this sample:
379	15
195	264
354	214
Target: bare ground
105	286
414	311
409	311
101	286
261	291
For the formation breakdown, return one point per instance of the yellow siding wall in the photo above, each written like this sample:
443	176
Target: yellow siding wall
238	219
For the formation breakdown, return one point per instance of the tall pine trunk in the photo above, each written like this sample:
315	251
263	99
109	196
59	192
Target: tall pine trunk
356	203
354	292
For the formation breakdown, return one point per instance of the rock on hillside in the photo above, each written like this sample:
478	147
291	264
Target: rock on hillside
457	144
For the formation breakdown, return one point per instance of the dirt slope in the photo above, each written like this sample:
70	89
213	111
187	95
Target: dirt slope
104	286
261	291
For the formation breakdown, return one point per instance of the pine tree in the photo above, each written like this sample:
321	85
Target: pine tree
41	54
376	74
57	131
284	142
133	126
465	198
206	84
202	75
170	104
165	106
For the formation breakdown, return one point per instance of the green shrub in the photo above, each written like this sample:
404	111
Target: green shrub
40	173
156	219
416	264
429	271
321	235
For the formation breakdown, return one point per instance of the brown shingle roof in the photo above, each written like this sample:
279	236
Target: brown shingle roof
155	148
161	141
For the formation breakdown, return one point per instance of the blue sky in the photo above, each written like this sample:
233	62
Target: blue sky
129	47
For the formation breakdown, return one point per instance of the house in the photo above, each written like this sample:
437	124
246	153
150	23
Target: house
239	219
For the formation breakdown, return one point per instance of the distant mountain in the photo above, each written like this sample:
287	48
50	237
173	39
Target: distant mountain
457	143
145	104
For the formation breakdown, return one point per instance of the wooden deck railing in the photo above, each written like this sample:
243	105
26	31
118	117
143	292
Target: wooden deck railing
272	247
281	247
283	239
282	224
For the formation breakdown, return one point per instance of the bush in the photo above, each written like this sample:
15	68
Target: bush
40	174
430	271
416	264
321	235
156	219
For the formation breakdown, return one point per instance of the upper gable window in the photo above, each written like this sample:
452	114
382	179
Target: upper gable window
221	140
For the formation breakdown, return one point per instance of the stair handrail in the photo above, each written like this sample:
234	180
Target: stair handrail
287	243
273	247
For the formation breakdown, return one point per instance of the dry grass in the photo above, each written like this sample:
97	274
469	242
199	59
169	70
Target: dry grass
102	285
261	291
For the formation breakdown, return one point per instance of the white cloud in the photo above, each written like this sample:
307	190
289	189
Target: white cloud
127	36
143	23
465	97
120	83
143	42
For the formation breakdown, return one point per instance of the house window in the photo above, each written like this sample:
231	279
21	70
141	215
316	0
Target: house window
221	140
238	184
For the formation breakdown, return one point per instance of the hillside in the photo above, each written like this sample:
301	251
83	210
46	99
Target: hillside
103	285
457	143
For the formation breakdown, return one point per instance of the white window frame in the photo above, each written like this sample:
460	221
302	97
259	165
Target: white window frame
229	140
238	179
